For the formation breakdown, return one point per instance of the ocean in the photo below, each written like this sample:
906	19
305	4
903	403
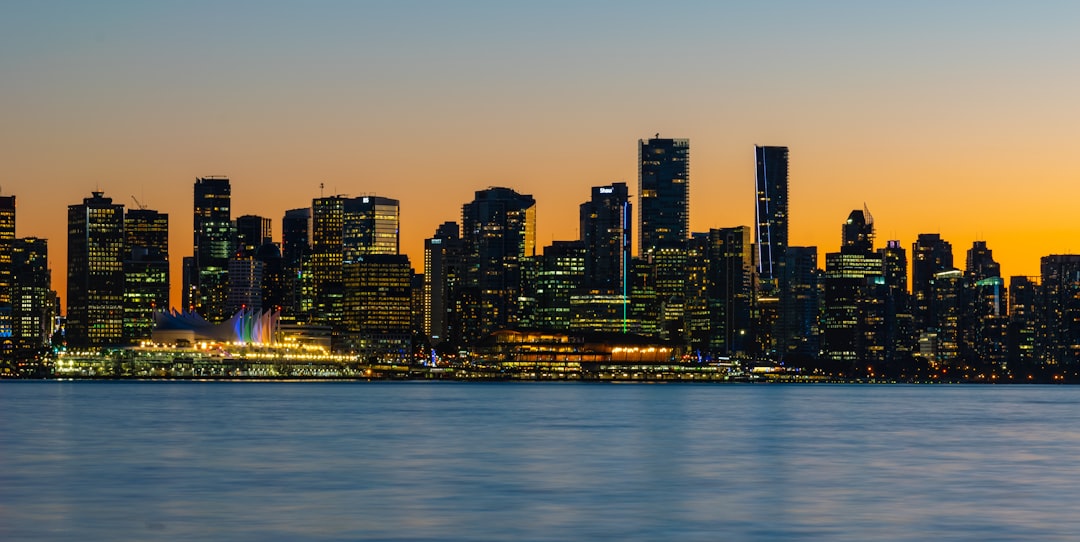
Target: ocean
133	460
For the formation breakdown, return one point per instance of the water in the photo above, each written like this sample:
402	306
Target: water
549	461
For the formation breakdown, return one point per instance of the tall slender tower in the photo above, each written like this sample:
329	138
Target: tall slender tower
215	236
442	276
930	255
771	214
146	271
664	193
605	232
95	287
7	242
295	250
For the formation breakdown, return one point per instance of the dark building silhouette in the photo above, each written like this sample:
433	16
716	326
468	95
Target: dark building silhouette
146	271
606	235
442	280
664	227
901	338
771	212
498	233
1025	301
800	303
252	232
215	238
7	243
980	262
930	254
559	277
95	287
1059	314
853	319
33	300
295	248
274	285
724	275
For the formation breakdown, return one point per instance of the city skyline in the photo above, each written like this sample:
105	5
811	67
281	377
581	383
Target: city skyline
940	119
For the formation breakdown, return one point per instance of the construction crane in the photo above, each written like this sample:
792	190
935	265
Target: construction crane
137	204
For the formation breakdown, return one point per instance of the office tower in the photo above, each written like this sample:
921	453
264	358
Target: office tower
858	233
418	311
800	303
215	238
902	336
498	233
730	285
664	193
377	302
252	232
32	295
948	304
295	247
664	227
1059	324
771	214
644	303
95	287
442	276
980	262
369	226
146	271
984	332
930	254
1024	301
7	241
853	320
605	232
559	277
324	263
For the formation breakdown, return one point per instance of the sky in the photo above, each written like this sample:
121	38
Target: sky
949	117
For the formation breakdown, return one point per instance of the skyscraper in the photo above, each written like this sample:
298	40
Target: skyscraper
377	303
215	238
370	226
324	264
498	233
771	214
32	296
605	233
295	248
7	242
1059	324
95	287
663	193
853	320
664	196
442	277
146	271
930	254
252	232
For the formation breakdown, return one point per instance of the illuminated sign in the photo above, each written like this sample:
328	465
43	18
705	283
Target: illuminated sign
606	190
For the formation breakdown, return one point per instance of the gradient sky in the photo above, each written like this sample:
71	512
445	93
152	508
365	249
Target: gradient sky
958	118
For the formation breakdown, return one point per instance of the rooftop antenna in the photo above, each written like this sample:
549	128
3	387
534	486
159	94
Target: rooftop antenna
321	185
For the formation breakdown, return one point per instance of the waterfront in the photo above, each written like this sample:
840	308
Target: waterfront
129	460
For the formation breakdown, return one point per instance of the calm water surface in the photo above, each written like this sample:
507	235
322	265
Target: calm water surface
507	461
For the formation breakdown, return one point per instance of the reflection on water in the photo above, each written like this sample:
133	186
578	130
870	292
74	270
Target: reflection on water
501	461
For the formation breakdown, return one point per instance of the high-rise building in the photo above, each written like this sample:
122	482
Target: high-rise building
370	226
771	240
146	271
663	193
1059	326
32	296
252	232
730	291
664	227
442	276
325	260
498	233
295	248
7	243
95	284
1024	301
980	262
800	302
901	338
948	304
930	254
606	235
377	303
215	238
853	319
559	277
